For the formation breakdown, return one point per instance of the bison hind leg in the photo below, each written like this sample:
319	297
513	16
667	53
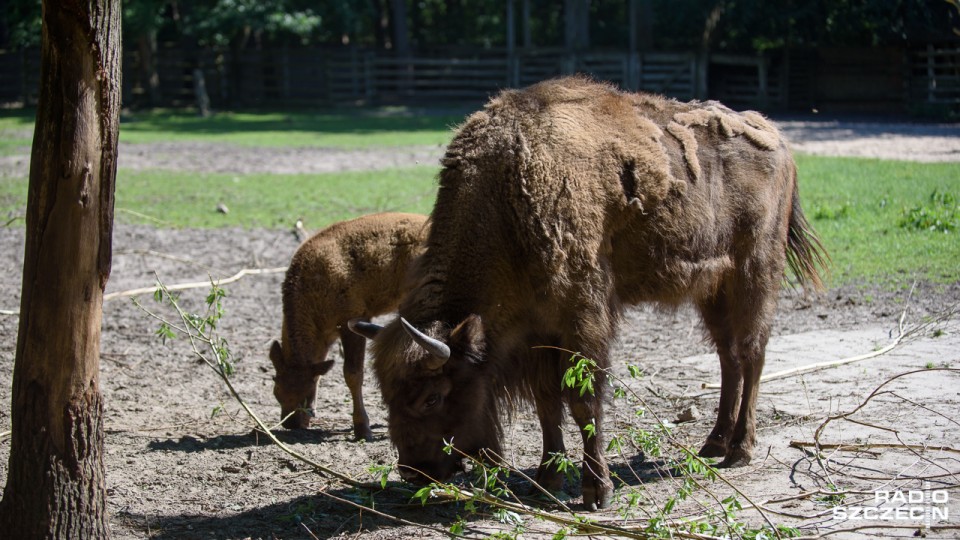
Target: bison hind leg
738	320
716	318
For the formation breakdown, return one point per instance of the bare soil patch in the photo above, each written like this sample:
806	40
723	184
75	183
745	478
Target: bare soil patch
874	139
183	461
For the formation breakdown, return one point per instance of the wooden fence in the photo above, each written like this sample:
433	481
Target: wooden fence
863	80
935	76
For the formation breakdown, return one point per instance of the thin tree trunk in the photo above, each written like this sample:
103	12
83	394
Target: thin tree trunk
401	36
576	17
381	22
55	485
706	42
149	76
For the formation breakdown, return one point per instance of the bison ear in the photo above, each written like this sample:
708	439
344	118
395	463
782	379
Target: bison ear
276	353
468	335
322	368
364	328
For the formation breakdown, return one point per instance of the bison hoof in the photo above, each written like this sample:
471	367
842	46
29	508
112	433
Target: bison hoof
548	496
597	496
737	457
712	448
548	479
362	432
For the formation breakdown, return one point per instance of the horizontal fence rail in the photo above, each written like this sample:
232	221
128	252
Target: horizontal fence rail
935	75
897	80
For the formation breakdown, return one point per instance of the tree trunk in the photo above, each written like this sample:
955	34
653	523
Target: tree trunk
380	22
576	17
401	37
55	485
149	76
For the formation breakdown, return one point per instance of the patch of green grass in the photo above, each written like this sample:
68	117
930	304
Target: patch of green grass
352	129
16	131
942	214
857	206
172	199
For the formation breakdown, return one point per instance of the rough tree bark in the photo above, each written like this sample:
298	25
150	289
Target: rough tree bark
55	485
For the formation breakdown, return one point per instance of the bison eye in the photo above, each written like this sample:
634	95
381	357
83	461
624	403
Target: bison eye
431	401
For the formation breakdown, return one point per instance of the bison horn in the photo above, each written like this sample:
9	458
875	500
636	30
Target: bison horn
364	328
437	348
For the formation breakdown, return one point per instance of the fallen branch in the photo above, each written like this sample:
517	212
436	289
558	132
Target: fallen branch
198	339
932	528
870	446
196	284
824	461
902	335
177	286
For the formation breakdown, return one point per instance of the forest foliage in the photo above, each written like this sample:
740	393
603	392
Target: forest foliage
729	25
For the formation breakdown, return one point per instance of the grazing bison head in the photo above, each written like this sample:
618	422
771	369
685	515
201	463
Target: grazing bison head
437	391
295	387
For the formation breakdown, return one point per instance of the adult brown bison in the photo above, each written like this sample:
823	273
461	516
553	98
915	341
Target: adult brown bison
352	269
558	204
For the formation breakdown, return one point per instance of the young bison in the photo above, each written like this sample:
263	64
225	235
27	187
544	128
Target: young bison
352	269
559	204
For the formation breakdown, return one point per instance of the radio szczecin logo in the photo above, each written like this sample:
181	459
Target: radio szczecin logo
913	505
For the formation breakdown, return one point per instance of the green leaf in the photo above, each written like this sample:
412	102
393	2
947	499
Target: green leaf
457	527
424	493
165	332
448	446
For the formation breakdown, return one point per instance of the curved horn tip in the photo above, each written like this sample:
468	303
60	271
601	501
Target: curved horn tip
433	346
364	328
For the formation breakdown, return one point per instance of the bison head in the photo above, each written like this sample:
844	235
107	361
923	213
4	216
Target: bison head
437	391
295	387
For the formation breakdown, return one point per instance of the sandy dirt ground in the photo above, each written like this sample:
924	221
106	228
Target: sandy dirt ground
183	461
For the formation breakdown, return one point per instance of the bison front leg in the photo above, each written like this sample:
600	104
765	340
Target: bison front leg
354	349
731	387
595	479
550	412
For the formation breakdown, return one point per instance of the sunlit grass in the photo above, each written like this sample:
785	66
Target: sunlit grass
857	206
270	200
354	129
255	200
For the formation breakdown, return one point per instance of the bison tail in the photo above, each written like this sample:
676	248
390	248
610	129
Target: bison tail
806	256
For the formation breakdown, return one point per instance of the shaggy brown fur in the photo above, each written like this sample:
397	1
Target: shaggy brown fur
352	269
558	204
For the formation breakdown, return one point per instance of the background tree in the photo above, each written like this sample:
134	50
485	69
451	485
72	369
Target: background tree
55	485
424	25
142	20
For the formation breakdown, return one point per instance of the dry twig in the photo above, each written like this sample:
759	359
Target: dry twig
902	335
196	284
